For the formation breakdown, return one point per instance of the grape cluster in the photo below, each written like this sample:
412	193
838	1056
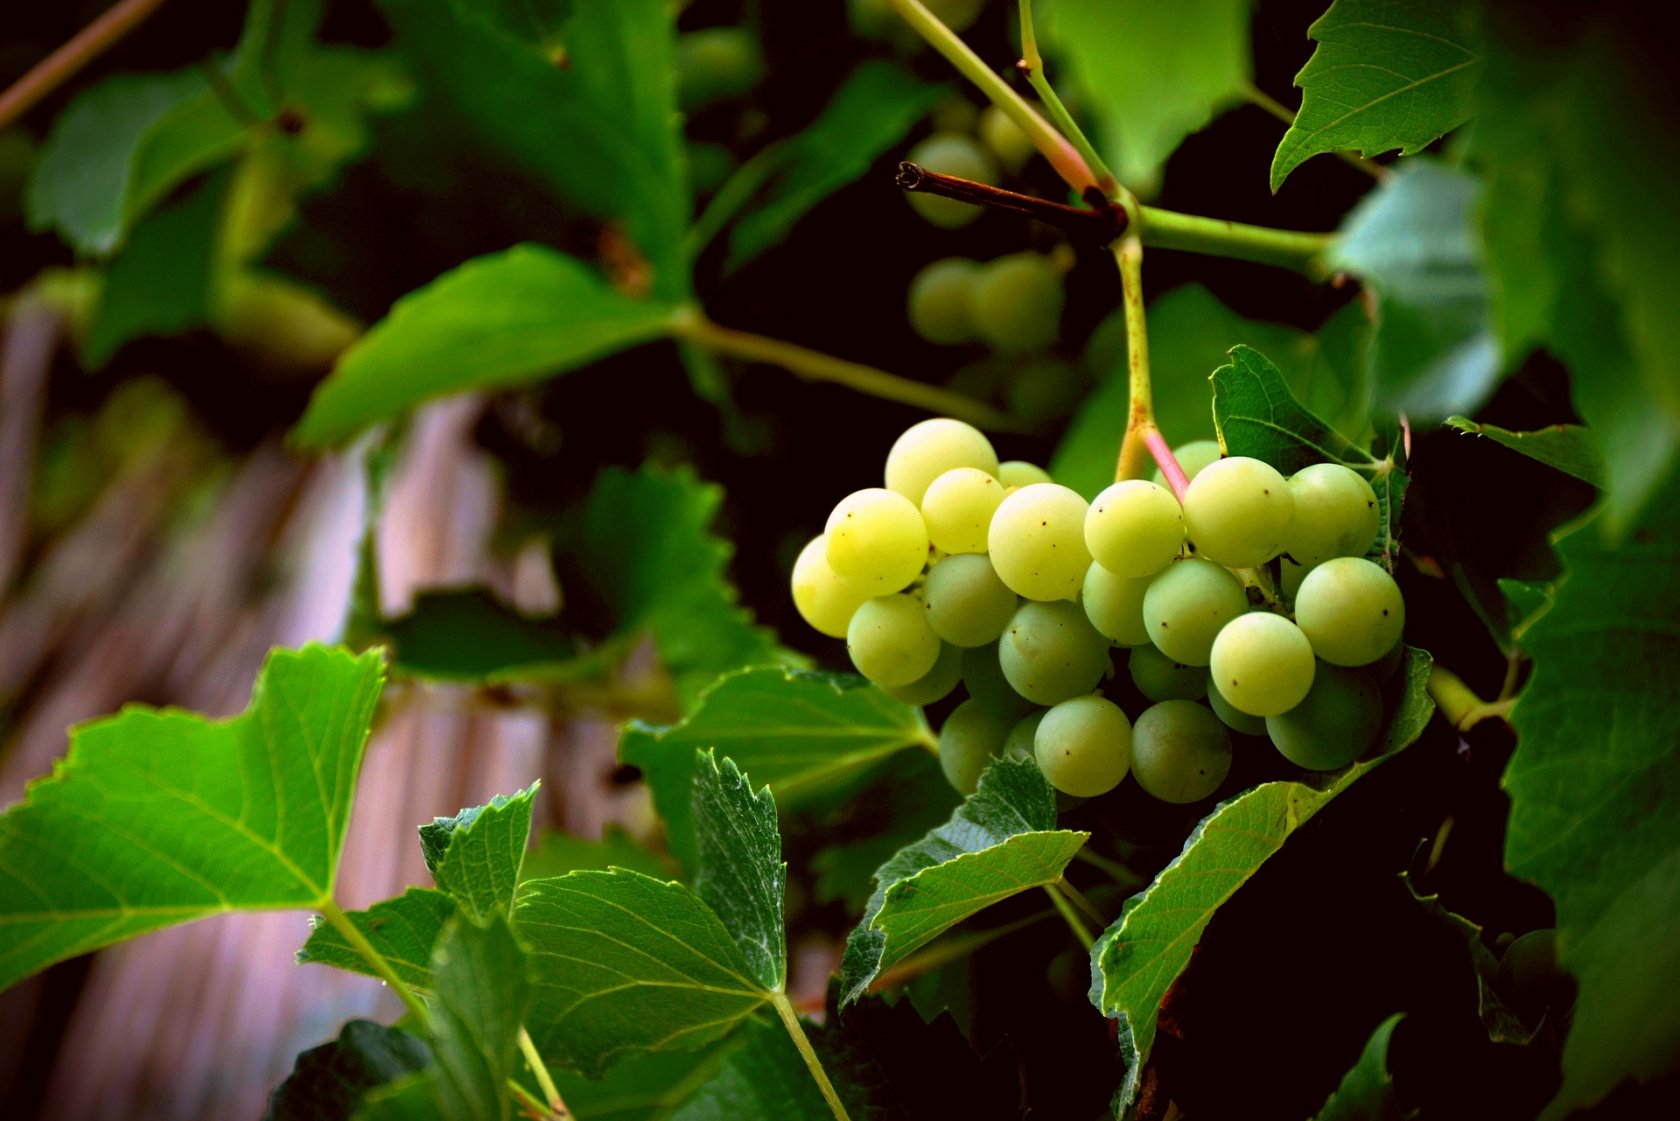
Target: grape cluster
962	569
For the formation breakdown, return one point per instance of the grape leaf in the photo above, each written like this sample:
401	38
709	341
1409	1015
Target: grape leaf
1414	241
1568	447
1155	73
1366	1092
1386	74
327	1082
467	634
557	853
870	113
1503	1025
1137	958
536	23
741	875
161	817
404	930
1001	841
804	734
475	855
646	1088
764	1077
503	320
1595	819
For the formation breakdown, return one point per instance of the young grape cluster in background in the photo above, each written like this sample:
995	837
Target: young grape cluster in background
964	570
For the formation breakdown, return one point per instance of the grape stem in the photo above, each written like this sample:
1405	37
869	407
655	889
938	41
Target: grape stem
539	1070
790	1020
60	66
341	922
1032	67
1100	226
1460	704
1143	441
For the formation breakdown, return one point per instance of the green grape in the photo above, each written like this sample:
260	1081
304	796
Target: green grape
1160	678
1334	725
1180	751
938	301
1262	663
1530	976
1016	302
982	675
934	685
1186	606
1012	147
1017	473
1335	514
1350	610
1238	511
1192	457
955	113
929	448
1049	652
1084	746
1114	604
1105	351
967	605
1019	745
822	600
1045	389
717	64
951	153
1234	718
877	541
972	737
958	508
890	641
1037	541
1135	528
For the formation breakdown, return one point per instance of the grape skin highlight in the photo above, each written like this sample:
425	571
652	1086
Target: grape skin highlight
929	448
1135	528
1237	512
958	508
877	542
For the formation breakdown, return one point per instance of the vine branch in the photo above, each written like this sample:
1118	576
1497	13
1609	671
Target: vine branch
60	66
334	914
790	1020
539	1070
1032	66
1071	917
1460	704
1099	226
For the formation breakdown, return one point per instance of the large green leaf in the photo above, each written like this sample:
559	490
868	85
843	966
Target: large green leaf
557	853
1000	842
475	855
536	23
481	993
327	1082
803	734
1595	799
1414	241
1137	959
1366	1092
1155	73
741	875
504	320
467	634
1568	447
403	930
646	1088
161	817
1387	74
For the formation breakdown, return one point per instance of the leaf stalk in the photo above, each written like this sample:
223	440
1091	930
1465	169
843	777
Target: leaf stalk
790	1020
333	913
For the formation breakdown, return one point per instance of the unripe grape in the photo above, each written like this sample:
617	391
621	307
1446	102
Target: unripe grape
1192	458
1019	744
1335	514
1114	604
1186	606
1016	473
877	541
1016	302
716	64
1237	512
1262	663
958	508
822	600
967	605
1037	541
1160	678
929	448
1134	528
1350	610
982	675
890	641
1233	717
1049	652
1334	725
972	737
1084	746
1180	751
1044	389
939	301
1004	137
934	685
951	153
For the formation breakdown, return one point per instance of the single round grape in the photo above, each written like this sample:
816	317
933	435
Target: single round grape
1045	389
1019	744
822	600
958	508
970	739
1084	746
1114	604
934	685
1135	528
877	541
939	298
1012	147
1016	473
1238	511
1160	678
967	605
1186	606
1262	663
1350	610
1192	457
1037	541
1180	751
929	448
1335	514
717	64
1050	652
1336	723
1233	717
1016	302
890	641
982	675
951	153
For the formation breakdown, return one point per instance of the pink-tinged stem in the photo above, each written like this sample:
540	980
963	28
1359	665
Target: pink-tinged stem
1176	479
